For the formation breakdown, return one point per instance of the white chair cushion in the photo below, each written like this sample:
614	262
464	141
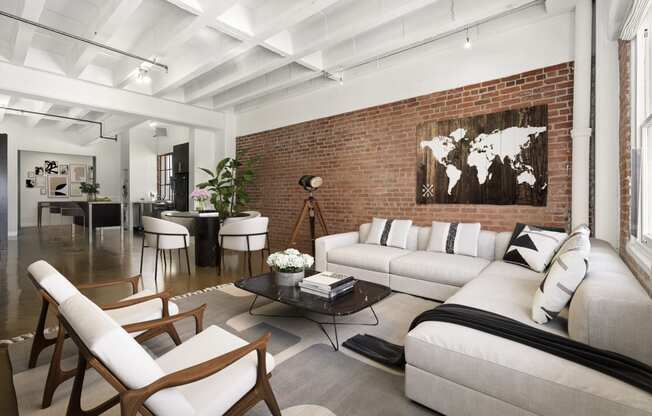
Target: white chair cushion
214	395
53	282
165	242
146	311
247	226
450	269
365	256
121	354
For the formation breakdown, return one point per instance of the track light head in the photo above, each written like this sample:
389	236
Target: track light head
143	76
467	43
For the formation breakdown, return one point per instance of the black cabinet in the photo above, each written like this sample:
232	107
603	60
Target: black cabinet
181	158
180	183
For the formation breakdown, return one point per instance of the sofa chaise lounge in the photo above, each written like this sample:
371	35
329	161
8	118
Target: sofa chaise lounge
457	370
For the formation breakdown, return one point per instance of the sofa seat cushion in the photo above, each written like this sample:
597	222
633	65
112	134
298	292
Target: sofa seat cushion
214	395
507	290
146	311
450	269
366	256
525	377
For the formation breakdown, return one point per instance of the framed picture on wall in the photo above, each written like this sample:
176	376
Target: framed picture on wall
58	186
77	173
40	182
63	169
51	167
75	189
30	183
38	170
31	174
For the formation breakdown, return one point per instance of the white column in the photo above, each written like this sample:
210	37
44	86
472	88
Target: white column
581	131
607	109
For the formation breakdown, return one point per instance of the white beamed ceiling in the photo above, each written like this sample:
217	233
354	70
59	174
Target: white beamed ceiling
221	54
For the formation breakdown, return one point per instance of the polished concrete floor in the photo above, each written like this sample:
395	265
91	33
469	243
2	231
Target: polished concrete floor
109	257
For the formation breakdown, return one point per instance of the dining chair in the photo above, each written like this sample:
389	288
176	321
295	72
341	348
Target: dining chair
212	373
245	236
162	235
54	289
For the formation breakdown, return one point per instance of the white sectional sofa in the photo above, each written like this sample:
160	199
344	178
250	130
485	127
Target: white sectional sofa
457	370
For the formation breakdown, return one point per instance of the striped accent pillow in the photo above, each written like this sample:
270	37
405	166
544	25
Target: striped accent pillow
565	274
392	233
454	238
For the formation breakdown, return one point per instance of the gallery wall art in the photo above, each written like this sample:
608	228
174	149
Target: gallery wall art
77	173
58	186
499	158
51	167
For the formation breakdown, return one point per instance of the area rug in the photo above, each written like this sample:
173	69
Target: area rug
310	378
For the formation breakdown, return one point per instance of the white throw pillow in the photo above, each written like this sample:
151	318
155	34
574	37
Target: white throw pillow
454	238
391	233
534	248
564	276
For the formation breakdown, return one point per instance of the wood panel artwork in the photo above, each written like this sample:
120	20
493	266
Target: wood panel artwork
499	158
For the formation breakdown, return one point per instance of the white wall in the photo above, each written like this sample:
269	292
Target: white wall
176	135
29	197
142	162
49	139
500	49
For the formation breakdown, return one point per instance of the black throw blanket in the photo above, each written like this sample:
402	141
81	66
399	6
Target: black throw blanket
616	365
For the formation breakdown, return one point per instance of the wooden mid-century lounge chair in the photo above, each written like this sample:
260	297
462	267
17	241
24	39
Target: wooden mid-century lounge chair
55	288
212	373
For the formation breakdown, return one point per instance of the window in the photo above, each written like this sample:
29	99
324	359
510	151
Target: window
640	245
164	177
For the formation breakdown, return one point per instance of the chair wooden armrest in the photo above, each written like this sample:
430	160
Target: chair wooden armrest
134	281
197	313
132	400
164	296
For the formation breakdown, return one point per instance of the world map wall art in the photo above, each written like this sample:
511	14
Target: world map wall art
499	158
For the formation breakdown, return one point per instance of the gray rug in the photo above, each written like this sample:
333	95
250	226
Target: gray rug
310	378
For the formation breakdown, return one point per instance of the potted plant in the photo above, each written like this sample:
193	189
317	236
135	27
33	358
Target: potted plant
227	186
200	196
90	189
289	266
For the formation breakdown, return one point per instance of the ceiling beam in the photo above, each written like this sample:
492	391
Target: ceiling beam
251	69
32	10
274	24
152	45
109	19
74	112
45	86
34	119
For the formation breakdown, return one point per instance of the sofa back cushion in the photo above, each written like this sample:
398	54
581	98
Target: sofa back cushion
610	309
502	242
412	238
121	354
486	242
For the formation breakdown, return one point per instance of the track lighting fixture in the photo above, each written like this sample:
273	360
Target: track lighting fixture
467	42
143	76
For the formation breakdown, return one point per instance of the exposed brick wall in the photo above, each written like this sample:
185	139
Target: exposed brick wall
625	132
368	158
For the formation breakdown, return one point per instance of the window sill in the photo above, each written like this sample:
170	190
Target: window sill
641	255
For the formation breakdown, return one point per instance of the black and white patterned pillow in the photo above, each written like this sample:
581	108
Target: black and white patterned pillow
533	247
454	238
565	274
389	232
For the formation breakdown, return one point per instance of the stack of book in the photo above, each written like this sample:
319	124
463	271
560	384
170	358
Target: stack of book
327	284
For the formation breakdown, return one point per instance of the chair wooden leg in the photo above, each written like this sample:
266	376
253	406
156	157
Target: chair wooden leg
172	331
56	375
188	260
74	404
39	342
270	399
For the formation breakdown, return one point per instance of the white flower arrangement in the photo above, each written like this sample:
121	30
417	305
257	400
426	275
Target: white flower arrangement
290	261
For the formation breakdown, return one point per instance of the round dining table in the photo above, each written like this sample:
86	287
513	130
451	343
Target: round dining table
207	230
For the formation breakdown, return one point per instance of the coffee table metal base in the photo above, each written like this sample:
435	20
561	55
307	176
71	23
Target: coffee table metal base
336	345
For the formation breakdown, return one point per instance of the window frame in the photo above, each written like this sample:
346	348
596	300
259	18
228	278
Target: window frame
164	189
639	246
